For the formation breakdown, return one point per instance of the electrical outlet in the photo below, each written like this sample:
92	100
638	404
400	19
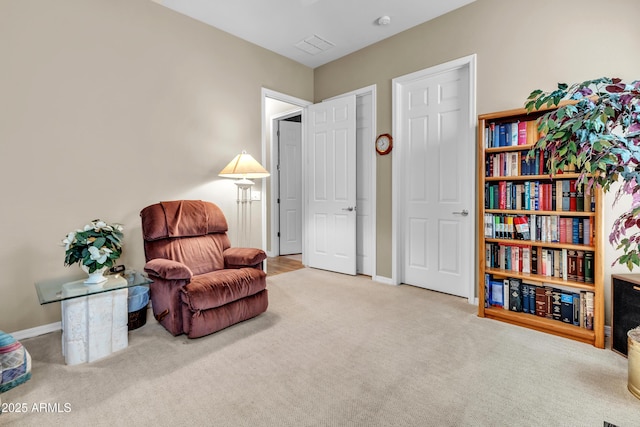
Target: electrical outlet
255	195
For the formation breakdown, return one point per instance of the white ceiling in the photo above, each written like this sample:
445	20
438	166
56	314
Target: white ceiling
278	25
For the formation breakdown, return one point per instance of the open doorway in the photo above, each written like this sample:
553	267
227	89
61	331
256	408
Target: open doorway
278	107
281	109
287	156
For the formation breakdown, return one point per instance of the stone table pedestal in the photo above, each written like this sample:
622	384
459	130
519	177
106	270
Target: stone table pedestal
96	325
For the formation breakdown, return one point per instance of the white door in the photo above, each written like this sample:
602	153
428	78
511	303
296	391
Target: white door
436	174
290	197
331	181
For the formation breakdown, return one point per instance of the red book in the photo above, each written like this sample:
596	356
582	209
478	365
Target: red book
563	230
541	302
580	266
573	203
502	191
522	133
572	265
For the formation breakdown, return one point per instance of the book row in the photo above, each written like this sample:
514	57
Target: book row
563	195
565	264
539	299
510	134
539	228
517	163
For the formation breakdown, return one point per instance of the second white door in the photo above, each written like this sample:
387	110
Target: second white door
331	185
436	173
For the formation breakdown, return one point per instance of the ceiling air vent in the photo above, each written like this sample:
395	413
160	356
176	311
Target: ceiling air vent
314	45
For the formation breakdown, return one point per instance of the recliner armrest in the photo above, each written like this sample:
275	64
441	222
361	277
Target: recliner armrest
243	257
168	269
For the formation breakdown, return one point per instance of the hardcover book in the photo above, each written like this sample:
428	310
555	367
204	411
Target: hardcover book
515	296
541	302
589	310
548	293
522	133
522	227
496	297
566	189
556	304
576	308
580	266
572	265
566	300
524	292
588	267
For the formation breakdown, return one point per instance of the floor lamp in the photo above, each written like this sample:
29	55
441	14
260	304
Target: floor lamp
244	167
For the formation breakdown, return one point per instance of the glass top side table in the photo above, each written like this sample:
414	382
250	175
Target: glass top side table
94	317
60	290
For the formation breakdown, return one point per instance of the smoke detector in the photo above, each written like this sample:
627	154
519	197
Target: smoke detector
384	20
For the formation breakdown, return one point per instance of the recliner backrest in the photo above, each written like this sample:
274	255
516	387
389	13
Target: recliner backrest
192	232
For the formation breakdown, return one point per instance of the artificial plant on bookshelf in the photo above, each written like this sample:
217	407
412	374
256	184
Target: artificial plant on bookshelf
540	250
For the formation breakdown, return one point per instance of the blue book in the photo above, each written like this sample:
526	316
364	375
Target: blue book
525	298
502	136
532	299
507	134
575	235
566	310
496	296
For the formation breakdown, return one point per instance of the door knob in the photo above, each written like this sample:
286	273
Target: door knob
464	212
349	209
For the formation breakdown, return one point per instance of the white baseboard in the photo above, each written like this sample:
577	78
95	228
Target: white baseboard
52	327
38	330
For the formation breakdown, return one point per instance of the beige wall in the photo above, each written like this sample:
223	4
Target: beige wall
521	45
107	106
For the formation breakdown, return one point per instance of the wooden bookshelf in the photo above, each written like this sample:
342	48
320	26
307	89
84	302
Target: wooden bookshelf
504	168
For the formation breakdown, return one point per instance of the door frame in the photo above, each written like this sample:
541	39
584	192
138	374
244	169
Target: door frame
275	179
266	125
302	104
398	179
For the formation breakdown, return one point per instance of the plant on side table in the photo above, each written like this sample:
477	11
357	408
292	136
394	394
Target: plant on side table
95	248
599	134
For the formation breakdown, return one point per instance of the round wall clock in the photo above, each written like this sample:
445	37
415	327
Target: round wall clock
384	144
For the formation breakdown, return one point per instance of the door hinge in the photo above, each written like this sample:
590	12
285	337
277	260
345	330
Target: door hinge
278	201
278	234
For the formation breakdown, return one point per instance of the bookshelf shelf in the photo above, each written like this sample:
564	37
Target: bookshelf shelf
530	212
542	324
545	244
539	278
533	177
540	252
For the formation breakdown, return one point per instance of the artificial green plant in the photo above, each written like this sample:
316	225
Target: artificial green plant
597	129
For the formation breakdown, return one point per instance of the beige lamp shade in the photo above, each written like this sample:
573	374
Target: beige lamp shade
244	166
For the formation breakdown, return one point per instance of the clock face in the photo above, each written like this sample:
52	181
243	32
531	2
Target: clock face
384	143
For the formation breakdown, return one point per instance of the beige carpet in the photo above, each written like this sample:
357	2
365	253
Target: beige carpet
334	350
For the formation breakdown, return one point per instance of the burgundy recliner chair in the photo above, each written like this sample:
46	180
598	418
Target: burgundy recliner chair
200	284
